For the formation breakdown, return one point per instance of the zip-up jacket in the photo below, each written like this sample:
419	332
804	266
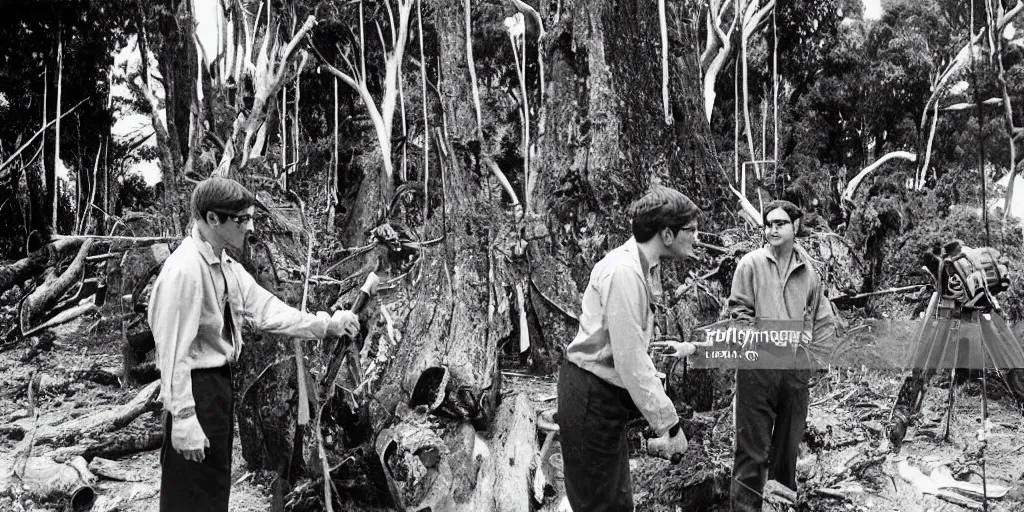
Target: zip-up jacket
758	291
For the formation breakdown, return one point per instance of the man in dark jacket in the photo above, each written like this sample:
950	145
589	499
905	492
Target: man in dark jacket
775	282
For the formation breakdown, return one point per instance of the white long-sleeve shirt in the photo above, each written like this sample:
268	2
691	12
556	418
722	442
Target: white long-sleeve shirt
615	332
186	314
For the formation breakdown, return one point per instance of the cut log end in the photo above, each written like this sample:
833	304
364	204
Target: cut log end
415	465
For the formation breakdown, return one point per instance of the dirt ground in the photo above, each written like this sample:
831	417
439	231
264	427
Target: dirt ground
844	465
82	346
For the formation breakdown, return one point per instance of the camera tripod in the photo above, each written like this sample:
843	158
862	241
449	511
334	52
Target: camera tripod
955	337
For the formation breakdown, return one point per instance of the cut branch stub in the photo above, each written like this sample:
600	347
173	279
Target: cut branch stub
431	389
437	391
417	471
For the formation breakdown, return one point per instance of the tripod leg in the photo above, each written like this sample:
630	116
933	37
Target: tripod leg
931	338
949	403
908	401
1014	380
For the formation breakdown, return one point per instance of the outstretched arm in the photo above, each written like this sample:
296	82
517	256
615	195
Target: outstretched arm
267	313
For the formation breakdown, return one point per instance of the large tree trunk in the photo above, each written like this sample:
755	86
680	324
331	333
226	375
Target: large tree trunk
608	142
448	363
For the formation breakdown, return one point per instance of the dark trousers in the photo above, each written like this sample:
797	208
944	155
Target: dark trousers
592	416
188	486
771	414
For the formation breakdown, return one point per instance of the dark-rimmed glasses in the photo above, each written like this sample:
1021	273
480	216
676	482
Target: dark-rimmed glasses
239	219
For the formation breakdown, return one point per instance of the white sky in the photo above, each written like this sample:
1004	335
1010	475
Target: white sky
132	126
872	9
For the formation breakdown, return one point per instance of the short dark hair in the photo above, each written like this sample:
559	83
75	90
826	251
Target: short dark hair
661	207
794	211
222	196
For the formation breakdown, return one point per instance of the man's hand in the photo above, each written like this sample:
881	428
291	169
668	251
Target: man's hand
343	323
188	438
668	446
806	338
673	348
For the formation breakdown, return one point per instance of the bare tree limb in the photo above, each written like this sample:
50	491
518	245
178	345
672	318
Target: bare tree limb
664	61
919	183
38	133
963	57
851	187
500	176
751	215
530	11
472	70
382	118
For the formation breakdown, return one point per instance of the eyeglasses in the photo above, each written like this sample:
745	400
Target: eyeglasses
241	219
777	224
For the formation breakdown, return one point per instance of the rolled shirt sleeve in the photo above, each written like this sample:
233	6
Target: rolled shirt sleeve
625	305
175	307
267	313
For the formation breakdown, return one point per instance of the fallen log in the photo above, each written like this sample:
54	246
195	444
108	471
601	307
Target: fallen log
41	477
140	436
49	384
52	290
126	241
68	432
127	443
64	317
505	464
24	269
97	375
514	450
114	470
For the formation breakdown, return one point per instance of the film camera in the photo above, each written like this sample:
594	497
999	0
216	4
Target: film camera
969	276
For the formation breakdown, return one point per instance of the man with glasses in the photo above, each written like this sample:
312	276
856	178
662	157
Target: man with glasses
607	373
199	303
775	282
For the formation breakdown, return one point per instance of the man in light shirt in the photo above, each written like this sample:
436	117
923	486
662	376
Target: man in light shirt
608	372
199	303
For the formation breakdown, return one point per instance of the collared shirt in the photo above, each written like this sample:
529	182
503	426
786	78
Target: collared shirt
187	315
615	331
759	290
